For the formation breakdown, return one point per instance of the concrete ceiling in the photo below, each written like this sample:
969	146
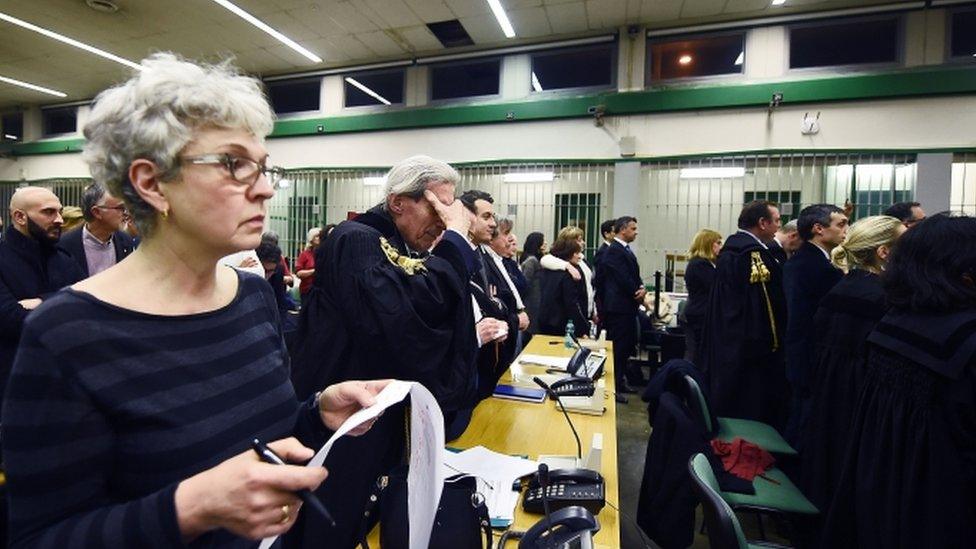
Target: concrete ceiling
341	32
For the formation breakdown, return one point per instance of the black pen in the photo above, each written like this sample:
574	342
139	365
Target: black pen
268	456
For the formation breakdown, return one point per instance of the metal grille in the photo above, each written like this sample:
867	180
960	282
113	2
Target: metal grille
962	193
583	193
680	197
67	189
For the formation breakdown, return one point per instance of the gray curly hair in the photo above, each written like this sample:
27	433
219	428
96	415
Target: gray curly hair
153	116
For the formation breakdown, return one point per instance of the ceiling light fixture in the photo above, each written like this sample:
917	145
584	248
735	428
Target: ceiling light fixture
779	2
374	181
684	59
11	137
367	91
712	173
740	58
502	17
536	85
264	26
70	41
34	87
528	177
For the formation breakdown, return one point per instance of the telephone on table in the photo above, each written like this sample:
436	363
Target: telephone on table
567	487
573	386
569	528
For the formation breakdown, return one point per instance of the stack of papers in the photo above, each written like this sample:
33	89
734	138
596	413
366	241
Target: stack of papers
495	473
554	362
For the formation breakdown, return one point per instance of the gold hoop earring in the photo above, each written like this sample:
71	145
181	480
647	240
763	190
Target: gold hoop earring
164	214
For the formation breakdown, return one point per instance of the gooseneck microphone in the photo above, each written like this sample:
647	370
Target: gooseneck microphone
544	485
552	394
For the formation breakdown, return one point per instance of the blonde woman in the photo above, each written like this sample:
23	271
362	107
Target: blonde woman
699	275
846	316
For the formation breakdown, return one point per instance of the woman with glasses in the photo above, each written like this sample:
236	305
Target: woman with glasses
136	393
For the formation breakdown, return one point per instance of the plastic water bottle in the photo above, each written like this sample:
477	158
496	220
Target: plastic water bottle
570	332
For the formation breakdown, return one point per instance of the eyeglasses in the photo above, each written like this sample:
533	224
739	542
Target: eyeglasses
243	170
120	208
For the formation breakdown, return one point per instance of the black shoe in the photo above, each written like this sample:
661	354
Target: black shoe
624	388
621	399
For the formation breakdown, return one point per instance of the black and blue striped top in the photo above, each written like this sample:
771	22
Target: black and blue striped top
108	409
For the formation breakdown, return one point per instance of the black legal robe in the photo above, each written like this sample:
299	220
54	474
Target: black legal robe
563	299
847	315
909	473
742	336
495	300
373	313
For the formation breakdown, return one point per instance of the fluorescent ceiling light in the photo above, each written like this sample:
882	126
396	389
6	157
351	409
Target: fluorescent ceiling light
263	26
367	91
712	173
740	58
70	41
528	177
502	17
684	59
8	136
535	83
55	93
374	181
779	2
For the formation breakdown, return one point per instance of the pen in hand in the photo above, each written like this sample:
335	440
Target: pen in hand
268	456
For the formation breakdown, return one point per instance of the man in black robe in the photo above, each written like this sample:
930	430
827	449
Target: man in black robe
807	277
383	306
745	319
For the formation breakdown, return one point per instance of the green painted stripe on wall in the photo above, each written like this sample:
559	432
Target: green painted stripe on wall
904	83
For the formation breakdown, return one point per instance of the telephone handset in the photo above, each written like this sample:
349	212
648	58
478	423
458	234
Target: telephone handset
567	487
572	527
573	386
585	364
578	360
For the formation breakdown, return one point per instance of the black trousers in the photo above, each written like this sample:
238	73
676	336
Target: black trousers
622	330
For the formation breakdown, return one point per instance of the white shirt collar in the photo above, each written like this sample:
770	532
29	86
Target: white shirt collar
622	243
825	252
754	237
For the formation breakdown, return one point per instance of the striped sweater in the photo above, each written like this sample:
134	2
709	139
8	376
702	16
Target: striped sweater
108	409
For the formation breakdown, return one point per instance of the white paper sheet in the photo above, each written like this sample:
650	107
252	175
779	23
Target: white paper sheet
557	362
495	474
425	479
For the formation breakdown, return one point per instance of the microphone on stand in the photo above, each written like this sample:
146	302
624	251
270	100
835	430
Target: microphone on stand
552	394
544	485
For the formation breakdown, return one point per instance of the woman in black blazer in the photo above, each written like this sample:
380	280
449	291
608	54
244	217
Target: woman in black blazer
563	298
699	275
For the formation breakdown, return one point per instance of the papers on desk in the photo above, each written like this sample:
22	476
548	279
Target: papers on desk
553	362
495	474
425	479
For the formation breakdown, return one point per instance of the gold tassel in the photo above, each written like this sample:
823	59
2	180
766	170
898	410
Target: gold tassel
760	274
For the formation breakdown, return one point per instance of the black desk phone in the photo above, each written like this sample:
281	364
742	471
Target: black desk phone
573	386
584	363
569	528
567	487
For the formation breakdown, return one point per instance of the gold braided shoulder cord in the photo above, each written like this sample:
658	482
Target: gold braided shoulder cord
759	274
409	265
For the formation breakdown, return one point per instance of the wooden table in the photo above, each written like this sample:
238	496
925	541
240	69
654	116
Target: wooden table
518	428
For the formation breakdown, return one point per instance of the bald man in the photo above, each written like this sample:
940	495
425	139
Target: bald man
32	267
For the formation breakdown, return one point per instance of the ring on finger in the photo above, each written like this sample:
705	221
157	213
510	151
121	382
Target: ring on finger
285	514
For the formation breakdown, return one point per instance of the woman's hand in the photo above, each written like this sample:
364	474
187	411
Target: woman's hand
338	402
246	496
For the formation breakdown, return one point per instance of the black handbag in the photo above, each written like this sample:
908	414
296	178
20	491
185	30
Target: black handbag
461	521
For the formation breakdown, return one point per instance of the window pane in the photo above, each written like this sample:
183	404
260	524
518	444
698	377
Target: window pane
13	127
963	34
577	68
294	96
61	120
693	57
378	88
465	80
847	43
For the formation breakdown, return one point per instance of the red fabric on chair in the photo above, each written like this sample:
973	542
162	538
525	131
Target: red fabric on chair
743	458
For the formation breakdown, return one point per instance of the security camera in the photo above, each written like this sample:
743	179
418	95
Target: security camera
633	31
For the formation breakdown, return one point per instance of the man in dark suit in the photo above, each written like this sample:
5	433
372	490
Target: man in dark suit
100	243
785	242
620	290
32	267
606	229
807	277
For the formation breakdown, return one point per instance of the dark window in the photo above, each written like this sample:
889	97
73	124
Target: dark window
580	210
789	202
59	120
692	57
586	67
469	79
378	88
294	95
845	43
450	33
962	32
12	125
